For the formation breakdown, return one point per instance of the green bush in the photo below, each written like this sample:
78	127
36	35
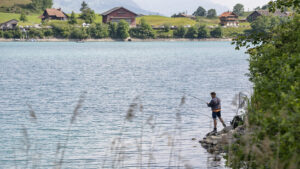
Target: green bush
72	18
123	30
8	34
35	33
48	32
274	110
98	31
113	30
60	31
192	32
144	31
78	33
17	34
180	32
216	33
162	34
167	27
202	32
1	34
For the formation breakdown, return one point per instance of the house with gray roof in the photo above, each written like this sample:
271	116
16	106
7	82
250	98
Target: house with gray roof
11	24
254	15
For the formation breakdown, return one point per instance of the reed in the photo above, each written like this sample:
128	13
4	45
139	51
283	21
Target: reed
116	153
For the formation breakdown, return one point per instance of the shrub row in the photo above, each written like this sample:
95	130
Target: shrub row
114	30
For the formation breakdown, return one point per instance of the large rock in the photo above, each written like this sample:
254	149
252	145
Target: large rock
214	142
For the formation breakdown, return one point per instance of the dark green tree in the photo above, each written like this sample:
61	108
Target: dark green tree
23	17
192	32
167	27
211	13
180	32
98	31
273	112
46	4
238	9
88	15
144	31
78	33
72	18
217	32
200	11
202	32
84	6
41	4
37	4
113	30
123	29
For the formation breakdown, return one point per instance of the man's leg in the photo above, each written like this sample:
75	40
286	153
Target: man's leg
214	116
215	124
220	118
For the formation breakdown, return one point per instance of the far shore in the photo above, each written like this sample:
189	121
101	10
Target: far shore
115	40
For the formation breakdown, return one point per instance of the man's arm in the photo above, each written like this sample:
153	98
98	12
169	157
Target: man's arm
210	104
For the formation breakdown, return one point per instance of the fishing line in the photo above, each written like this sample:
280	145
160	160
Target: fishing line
197	98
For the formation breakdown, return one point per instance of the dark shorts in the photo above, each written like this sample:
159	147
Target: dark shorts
215	114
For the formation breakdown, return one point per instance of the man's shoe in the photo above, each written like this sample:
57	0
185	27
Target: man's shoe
215	130
224	125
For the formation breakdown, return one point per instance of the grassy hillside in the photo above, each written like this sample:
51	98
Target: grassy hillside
156	20
32	18
209	22
10	3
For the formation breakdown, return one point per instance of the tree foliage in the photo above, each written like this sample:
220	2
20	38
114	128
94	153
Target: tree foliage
283	4
113	30
200	11
238	9
123	29
23	17
84	6
202	32
217	32
144	31
41	4
211	13
274	111
78	33
98	31
72	18
88	15
192	32
180	32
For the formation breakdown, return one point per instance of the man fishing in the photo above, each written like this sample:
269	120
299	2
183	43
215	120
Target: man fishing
215	105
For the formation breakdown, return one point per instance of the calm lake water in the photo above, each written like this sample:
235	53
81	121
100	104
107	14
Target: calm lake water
50	77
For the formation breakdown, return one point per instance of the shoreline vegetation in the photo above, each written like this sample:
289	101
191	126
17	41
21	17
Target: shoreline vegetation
117	40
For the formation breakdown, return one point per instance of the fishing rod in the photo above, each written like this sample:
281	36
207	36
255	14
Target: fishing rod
197	98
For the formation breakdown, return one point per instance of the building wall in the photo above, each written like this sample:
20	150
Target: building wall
121	14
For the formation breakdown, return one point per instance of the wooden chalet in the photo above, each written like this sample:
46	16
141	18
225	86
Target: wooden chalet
254	15
119	13
229	19
11	24
54	14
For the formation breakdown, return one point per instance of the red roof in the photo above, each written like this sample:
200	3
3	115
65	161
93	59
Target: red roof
55	12
227	14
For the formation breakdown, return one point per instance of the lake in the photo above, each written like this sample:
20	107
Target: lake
132	115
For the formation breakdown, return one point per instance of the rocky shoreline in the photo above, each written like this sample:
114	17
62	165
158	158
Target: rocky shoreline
216	142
